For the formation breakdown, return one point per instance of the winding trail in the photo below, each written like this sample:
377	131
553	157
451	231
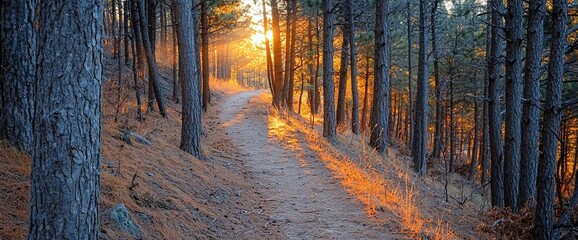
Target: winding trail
307	201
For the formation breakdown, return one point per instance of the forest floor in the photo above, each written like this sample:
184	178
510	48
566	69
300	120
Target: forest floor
264	175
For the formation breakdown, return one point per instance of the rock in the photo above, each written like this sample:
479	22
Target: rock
140	138
121	217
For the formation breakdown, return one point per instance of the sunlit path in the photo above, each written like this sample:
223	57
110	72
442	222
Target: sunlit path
308	202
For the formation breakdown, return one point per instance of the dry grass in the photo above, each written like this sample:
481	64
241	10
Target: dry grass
227	86
14	192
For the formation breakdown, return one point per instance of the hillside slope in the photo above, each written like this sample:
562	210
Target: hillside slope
265	175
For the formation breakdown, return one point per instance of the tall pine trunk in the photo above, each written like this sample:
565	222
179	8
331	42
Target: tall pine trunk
379	120
205	54
18	66
288	56
410	113
495	117
189	76
66	158
513	103
420	129
485	126
277	65
551	126
353	63
343	77
270	76
531	110
329	130
439	114
150	56
291	56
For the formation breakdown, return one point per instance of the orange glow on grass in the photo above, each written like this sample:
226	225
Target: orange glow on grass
396	199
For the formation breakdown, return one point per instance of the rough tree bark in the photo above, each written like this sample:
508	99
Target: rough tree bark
150	56
205	54
495	117
188	74
135	69
288	56
420	129
513	135
365	93
150	20
531	111
277	68
176	90
291	56
485	126
353	63
343	76
329	130
439	118
17	69
379	120
551	126
270	76
65	165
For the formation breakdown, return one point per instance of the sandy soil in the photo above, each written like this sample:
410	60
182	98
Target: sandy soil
306	200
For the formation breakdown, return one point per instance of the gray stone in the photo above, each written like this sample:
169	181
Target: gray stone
121	217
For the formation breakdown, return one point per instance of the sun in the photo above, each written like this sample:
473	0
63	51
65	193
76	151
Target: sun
259	38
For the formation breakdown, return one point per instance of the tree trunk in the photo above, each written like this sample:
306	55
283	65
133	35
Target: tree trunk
381	95
17	80
495	117
288	41
301	93
365	94
135	68
135	24
329	130
513	103
343	77
270	76
149	19
317	64
277	68
439	114
310	67
410	122
120	27
65	163
291	56
420	129
126	32
150	56
205	54
113	28
175	54
188	74
531	111
485	122
452	127
353	63
552	108
474	162
151	10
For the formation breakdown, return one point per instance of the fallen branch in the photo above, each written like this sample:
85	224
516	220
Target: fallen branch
133	183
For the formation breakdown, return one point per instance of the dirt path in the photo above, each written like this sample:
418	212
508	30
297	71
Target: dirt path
306	200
